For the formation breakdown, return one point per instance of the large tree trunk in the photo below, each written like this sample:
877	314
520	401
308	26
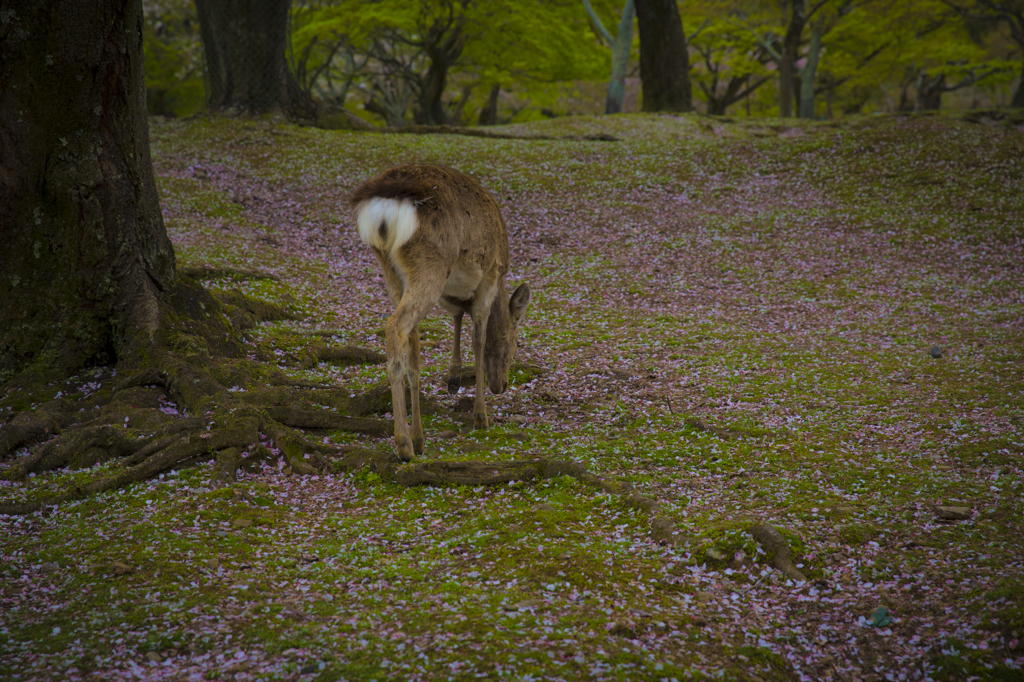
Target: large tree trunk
664	61
85	253
244	48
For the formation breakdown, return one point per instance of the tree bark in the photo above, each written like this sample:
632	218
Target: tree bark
1018	97
809	74
790	50
443	44
621	48
664	61
85	254
489	114
244	48
621	44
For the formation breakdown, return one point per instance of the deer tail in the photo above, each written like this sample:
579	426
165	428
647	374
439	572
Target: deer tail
386	210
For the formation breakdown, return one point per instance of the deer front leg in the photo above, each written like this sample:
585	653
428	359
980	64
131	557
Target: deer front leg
455	368
414	389
480	404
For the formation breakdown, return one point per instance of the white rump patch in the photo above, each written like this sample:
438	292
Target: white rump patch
397	215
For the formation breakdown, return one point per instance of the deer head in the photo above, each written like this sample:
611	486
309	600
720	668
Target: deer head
503	337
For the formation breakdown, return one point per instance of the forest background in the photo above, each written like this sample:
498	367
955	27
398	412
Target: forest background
515	61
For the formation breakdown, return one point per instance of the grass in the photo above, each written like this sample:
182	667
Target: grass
735	318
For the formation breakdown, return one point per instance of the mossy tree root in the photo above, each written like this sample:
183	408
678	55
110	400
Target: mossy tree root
777	548
31	427
191	357
479	473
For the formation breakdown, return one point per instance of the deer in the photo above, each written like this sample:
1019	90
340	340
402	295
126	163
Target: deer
440	239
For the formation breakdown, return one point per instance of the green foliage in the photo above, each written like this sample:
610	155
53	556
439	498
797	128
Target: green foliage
891	50
730	59
892	55
372	56
172	58
376	51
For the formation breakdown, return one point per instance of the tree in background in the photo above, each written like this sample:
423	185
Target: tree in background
173	58
732	63
382	51
921	48
451	60
800	12
440	33
244	45
664	59
621	45
532	44
1006	14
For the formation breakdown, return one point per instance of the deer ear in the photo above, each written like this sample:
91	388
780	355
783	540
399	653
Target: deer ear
520	299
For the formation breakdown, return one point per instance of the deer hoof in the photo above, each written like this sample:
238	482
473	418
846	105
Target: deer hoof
417	446
479	421
454	383
405	451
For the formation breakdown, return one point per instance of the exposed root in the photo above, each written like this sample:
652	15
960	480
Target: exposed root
139	420
348	355
479	132
226	467
252	310
325	419
150	376
31	427
777	548
486	473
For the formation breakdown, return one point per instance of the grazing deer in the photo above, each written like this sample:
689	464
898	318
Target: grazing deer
440	239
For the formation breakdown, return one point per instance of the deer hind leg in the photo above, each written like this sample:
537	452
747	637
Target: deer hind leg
455	368
402	340
413	374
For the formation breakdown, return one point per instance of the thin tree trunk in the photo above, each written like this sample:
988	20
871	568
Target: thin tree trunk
621	49
443	44
489	114
830	98
432	109
808	75
790	50
664	60
929	93
1018	97
621	45
85	253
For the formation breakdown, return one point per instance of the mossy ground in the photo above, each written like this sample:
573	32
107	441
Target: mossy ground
736	317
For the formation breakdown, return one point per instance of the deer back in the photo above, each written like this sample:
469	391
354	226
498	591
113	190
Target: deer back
424	215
